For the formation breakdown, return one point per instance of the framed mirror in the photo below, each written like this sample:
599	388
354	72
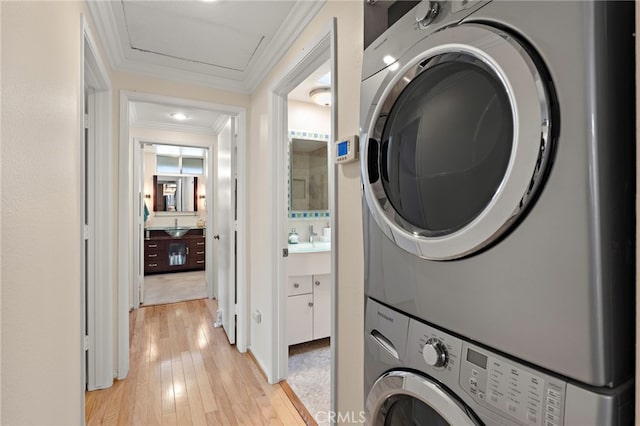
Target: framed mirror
175	193
308	175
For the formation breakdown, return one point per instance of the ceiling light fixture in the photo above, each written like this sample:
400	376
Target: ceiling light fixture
179	116
321	96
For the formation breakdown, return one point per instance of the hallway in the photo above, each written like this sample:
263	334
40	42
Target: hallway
184	372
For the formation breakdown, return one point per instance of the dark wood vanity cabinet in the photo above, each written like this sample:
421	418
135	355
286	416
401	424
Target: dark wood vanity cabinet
164	254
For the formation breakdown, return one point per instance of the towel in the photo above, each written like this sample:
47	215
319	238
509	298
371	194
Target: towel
146	211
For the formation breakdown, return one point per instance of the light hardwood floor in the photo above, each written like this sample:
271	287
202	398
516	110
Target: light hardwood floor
184	372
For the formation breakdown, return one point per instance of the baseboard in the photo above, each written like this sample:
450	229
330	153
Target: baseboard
302	410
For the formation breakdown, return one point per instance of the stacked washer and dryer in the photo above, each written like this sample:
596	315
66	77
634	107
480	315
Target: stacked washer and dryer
497	152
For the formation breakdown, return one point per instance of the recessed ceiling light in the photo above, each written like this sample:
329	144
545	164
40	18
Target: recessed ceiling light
179	116
321	96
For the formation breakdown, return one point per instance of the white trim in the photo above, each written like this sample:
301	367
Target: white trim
317	53
126	212
124	240
138	223
100	273
300	16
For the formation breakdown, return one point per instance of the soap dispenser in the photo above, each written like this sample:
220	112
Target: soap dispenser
293	236
326	232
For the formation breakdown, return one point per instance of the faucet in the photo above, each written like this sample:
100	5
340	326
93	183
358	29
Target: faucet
175	223
311	234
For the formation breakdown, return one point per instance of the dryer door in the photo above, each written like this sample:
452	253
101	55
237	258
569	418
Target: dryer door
401	398
456	141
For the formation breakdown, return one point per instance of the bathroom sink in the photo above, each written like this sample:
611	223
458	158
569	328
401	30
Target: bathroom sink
316	246
176	232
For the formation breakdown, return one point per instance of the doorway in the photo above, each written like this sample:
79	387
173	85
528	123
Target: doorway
289	277
131	216
173	183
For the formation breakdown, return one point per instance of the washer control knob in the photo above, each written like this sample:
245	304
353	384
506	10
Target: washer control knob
435	353
426	11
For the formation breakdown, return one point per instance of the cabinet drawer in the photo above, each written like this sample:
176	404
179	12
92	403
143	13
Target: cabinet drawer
153	255
299	284
151	245
151	266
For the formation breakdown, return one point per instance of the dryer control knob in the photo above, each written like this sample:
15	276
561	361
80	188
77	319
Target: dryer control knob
426	11
435	353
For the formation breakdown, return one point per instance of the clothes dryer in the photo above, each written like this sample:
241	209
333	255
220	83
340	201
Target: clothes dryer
497	156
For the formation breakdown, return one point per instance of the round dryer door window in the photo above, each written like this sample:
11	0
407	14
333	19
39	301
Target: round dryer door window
458	143
401	398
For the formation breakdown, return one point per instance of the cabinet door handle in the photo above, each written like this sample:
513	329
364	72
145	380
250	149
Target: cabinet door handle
153	255
296	285
200	244
311	304
187	250
152	264
152	245
200	261
199	252
317	282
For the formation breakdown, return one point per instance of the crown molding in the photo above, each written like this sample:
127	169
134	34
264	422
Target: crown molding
105	22
220	123
297	20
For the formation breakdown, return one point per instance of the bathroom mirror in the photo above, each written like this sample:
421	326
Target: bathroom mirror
175	193
308	178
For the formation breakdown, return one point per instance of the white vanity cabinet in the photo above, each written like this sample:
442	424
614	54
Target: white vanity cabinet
309	297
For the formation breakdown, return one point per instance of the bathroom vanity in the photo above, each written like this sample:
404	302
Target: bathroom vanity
309	292
176	249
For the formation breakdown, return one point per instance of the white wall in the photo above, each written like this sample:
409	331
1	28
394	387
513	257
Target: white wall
349	213
41	177
308	116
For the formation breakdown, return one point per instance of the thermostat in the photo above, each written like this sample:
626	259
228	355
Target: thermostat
347	150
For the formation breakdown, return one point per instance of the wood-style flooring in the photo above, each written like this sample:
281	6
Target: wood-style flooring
184	372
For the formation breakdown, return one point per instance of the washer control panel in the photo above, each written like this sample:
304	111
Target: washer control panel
514	390
434	352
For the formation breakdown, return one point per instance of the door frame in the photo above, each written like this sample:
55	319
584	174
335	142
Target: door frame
323	48
138	180
97	299
127	213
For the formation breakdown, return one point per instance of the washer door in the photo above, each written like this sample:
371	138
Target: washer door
401	398
455	141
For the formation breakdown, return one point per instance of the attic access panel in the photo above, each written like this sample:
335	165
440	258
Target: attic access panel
225	34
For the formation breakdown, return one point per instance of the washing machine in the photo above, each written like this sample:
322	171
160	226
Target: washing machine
497	153
417	374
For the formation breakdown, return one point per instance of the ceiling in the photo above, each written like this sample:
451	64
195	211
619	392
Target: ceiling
158	116
319	78
226	44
